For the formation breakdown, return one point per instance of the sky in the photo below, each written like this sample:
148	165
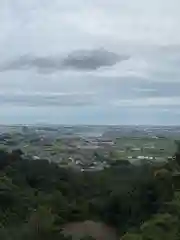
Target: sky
90	62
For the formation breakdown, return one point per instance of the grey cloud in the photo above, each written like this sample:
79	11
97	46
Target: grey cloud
83	60
61	100
147	32
92	60
28	62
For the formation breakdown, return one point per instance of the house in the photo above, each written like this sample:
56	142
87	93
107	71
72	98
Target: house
135	149
35	158
141	157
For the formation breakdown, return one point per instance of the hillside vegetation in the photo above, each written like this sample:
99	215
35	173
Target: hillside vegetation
39	200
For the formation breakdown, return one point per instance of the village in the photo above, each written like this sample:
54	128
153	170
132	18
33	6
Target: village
85	152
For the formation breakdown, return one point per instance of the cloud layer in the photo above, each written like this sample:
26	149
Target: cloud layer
79	60
90	62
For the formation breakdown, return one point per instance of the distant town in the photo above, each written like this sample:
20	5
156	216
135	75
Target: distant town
92	148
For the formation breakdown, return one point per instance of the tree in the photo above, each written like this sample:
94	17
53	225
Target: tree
87	238
4	159
161	226
164	184
41	225
177	142
131	236
8	192
177	154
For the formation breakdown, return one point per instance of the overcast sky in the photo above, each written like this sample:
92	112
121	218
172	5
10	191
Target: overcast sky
90	62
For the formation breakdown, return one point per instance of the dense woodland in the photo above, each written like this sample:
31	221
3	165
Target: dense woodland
37	199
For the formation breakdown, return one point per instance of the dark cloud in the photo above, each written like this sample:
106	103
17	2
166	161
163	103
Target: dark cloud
84	60
27	62
92	60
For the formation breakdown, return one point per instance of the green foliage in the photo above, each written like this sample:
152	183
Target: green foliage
87	238
177	142
38	198
161	226
132	236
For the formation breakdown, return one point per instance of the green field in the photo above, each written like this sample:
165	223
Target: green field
147	146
